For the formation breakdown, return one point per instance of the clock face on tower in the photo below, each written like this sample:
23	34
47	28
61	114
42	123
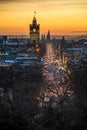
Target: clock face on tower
34	30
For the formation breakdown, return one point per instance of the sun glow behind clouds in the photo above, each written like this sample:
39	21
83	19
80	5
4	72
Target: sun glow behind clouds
59	16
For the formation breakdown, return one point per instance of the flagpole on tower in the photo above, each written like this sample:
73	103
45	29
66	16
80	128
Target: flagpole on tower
34	13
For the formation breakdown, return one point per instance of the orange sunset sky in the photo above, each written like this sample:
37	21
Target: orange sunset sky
58	16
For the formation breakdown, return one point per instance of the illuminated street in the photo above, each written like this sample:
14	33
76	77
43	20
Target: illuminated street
57	86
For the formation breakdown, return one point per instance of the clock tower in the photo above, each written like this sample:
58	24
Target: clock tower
34	32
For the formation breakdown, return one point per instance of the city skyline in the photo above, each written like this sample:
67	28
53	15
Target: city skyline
61	17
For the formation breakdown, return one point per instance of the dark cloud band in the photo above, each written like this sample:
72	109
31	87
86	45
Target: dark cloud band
23	0
6	0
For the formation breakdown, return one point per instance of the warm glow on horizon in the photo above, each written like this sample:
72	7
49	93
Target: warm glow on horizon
58	16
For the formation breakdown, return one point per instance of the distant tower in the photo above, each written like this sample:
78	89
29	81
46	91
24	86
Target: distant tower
48	35
62	45
43	37
34	31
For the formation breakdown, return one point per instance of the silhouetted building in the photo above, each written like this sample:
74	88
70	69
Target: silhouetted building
4	39
48	35
43	37
34	32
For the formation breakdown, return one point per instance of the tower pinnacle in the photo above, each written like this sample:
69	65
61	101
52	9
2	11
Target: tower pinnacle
34	13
